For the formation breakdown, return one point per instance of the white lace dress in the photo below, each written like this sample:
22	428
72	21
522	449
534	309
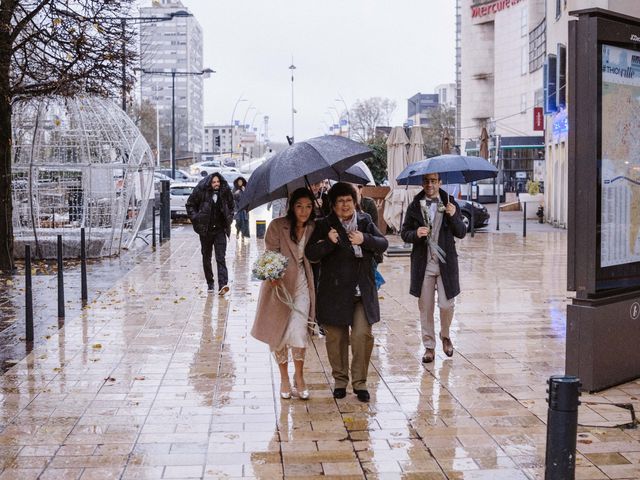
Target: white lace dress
296	334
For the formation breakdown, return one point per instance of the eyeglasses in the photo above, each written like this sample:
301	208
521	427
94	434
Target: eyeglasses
432	181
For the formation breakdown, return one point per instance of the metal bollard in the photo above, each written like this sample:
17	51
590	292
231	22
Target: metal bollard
165	209
473	222
153	227
28	292
562	427
83	268
524	220
60	280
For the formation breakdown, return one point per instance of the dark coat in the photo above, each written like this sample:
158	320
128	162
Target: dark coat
200	203
341	270
451	226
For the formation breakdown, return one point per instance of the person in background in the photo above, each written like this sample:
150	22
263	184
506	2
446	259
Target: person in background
276	324
278	207
321	204
367	205
241	216
210	209
347	300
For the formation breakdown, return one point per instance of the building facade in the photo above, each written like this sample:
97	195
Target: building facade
223	139
418	108
557	32
174	45
446	94
501	83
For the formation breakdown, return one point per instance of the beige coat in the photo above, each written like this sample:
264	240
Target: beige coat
272	316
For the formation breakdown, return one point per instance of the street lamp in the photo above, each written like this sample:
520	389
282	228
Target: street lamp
240	99
139	20
292	67
244	119
173	72
346	109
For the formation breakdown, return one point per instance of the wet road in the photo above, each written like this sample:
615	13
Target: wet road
158	379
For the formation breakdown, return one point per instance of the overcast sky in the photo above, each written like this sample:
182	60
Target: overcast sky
354	48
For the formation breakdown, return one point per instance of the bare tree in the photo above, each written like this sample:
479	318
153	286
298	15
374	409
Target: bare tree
366	115
439	120
144	116
55	47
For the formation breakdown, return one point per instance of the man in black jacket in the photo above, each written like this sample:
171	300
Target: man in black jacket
210	208
346	299
432	221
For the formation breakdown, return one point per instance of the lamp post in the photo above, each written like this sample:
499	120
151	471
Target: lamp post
346	109
173	72
292	67
139	20
233	113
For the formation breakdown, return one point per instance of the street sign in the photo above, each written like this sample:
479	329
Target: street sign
538	119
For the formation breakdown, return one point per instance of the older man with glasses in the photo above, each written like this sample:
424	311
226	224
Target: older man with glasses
432	221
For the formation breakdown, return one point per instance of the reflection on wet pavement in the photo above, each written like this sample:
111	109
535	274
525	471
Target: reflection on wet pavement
158	379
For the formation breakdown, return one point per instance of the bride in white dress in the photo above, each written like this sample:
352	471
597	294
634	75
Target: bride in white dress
285	329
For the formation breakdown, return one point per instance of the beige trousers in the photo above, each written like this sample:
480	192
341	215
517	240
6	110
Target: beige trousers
337	342
426	305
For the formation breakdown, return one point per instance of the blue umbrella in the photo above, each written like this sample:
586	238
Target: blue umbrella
452	169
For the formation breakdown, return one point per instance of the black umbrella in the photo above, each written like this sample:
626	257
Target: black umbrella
300	164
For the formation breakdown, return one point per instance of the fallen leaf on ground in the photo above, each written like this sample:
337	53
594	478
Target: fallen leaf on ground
96	345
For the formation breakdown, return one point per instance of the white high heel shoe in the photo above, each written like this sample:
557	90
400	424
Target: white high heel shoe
302	394
285	395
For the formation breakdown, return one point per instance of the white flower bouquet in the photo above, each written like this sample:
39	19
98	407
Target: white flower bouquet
270	266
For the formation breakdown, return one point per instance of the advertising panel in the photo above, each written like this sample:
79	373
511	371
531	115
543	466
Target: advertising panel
620	179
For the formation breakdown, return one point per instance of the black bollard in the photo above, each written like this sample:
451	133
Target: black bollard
60	280
153	227
83	268
524	220
473	222
562	427
28	304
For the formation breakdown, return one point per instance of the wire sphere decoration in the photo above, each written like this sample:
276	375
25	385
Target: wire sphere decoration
77	163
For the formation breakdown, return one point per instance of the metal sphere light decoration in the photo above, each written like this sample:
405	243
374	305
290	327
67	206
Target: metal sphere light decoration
78	162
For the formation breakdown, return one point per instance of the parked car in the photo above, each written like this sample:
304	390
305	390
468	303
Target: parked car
179	193
480	214
157	176
208	166
181	175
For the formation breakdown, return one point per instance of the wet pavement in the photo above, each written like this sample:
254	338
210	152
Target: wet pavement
158	379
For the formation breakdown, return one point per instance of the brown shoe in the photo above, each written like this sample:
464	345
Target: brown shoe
447	346
429	355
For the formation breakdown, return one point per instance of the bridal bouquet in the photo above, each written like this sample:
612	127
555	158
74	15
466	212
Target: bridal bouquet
270	266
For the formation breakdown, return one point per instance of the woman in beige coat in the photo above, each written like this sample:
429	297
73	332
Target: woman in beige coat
277	324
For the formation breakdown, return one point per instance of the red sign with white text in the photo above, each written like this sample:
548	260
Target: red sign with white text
538	119
492	7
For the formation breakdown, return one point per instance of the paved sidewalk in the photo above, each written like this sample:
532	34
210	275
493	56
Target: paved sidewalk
158	379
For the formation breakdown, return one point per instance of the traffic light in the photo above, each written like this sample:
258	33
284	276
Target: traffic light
217	140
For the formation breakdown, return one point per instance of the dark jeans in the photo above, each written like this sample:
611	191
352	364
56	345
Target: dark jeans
208	243
242	223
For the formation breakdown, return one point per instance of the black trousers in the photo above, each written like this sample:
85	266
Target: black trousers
214	241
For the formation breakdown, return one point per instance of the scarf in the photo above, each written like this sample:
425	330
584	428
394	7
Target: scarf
351	225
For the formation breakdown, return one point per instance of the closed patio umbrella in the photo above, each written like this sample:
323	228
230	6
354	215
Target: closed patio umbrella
397	160
416	145
484	144
446	142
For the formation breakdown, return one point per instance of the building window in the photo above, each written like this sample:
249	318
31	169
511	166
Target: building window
537	46
558	9
561	75
524	60
524	22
